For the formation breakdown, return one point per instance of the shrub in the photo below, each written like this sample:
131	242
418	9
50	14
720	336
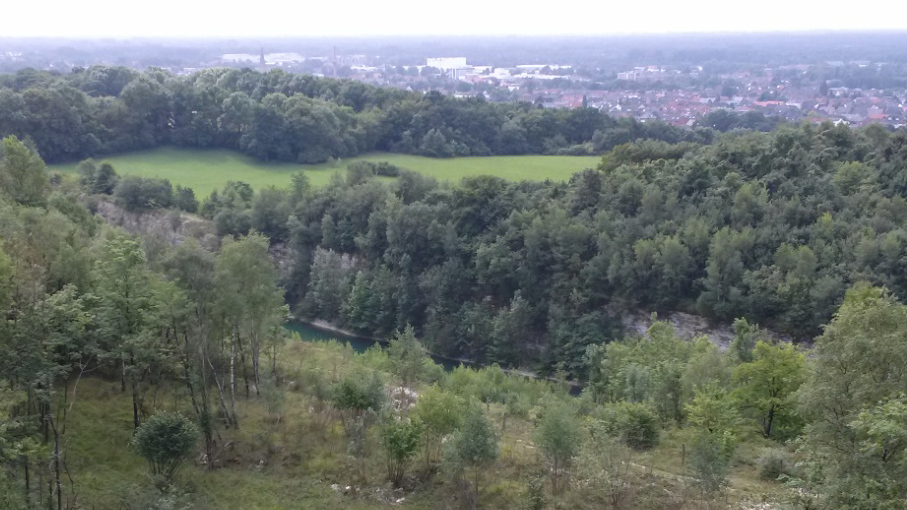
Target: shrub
359	394
400	439
534	494
635	424
165	440
772	464
184	199
710	459
558	437
385	169
134	193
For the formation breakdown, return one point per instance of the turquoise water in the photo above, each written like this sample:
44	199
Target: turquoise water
313	333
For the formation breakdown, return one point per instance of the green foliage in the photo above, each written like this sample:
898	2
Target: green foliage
6	278
772	465
166	440
400	439
98	179
408	358
633	423
851	398
884	428
715	432
184	199
603	467
710	458
713	411
23	177
534	494
137	193
558	436
474	445
441	414
475	442
648	369
745	337
249	295
765	387
359	392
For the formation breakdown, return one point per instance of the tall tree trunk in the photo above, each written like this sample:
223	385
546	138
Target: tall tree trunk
233	376
230	416
27	482
242	361
255	373
767	430
57	485
135	396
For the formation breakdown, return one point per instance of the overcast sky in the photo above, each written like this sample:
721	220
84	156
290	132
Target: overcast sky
256	18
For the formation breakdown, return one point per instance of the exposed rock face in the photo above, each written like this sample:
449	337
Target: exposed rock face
686	325
171	227
689	326
285	257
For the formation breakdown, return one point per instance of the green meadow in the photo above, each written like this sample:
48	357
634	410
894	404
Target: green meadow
205	170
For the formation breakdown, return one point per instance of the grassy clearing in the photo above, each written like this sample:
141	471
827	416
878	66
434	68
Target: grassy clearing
205	170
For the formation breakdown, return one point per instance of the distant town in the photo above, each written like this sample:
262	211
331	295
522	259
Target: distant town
648	93
679	93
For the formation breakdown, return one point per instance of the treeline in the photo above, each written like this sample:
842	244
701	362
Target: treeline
287	117
768	226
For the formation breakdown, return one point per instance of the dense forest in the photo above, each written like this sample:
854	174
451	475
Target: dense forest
773	227
117	348
289	117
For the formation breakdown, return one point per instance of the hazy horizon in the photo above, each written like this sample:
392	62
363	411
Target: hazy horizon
204	19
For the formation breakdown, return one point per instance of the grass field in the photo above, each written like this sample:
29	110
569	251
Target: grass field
205	170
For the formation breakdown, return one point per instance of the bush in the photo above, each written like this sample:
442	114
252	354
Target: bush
710	459
184	199
635	424
135	193
772	464
358	172
400	439
358	394
364	169
385	169
98	180
166	440
534	494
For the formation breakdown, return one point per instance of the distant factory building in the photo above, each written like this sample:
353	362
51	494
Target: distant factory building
453	67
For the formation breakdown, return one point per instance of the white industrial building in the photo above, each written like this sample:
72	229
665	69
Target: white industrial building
447	63
453	67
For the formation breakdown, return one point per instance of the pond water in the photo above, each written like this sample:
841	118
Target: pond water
359	344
